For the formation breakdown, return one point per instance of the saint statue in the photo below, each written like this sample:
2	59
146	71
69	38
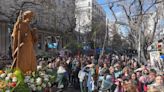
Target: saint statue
23	40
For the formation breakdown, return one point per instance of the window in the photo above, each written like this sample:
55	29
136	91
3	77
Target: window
60	2
63	4
89	3
89	16
89	10
67	5
94	6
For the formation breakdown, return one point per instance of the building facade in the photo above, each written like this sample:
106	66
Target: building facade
65	20
52	19
90	21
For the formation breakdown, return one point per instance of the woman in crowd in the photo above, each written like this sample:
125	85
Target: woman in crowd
121	75
158	84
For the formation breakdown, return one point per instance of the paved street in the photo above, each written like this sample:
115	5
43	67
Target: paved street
70	89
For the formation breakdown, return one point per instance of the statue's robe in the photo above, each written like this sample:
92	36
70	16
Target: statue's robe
27	57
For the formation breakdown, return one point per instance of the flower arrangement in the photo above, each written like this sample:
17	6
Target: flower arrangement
15	80
40	79
8	81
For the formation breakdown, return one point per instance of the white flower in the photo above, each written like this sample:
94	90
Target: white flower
43	85
29	84
46	76
41	73
49	84
46	79
7	78
32	85
39	81
31	80
26	80
39	88
39	67
14	79
3	75
9	74
34	88
27	77
7	91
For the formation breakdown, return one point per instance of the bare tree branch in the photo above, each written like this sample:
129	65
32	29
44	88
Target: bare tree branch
126	13
18	6
156	2
154	30
111	8
131	6
4	14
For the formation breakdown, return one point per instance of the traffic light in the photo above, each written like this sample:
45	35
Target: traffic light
160	48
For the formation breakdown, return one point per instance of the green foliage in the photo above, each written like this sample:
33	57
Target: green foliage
73	46
19	75
22	87
53	75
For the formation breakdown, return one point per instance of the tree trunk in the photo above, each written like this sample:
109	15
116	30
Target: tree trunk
143	58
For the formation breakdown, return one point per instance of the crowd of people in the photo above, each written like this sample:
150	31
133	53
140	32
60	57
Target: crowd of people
110	73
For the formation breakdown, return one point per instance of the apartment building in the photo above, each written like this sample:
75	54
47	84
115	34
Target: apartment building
90	19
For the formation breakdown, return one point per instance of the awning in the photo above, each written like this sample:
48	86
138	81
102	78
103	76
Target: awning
162	56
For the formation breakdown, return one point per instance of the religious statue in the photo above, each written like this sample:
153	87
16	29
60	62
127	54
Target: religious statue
23	40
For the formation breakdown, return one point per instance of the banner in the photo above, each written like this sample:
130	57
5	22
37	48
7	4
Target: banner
52	45
155	59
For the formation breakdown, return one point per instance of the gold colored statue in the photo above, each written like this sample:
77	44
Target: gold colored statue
23	41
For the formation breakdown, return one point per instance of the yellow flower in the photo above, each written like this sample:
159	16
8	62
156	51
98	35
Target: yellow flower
2	84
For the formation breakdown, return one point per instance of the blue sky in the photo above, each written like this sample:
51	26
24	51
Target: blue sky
106	8
109	14
119	12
